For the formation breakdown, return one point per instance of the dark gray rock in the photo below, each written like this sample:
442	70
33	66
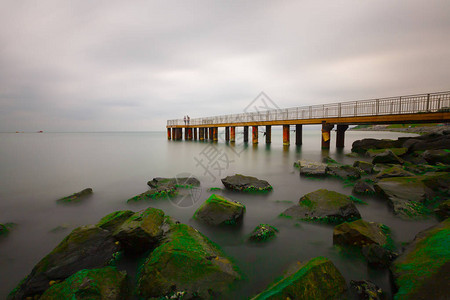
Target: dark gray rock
85	247
394	171
76	197
218	210
243	183
311	168
364	166
361	146
367	290
378	256
159	182
387	157
443	210
344	172
324	206
263	233
437	156
363	187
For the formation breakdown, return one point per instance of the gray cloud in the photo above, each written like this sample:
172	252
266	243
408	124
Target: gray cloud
112	65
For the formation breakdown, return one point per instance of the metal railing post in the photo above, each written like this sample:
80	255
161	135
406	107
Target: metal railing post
400	106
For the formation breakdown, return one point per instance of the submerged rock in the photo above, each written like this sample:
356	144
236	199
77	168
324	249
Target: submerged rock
367	290
218	210
364	166
85	247
243	183
106	284
387	157
183	182
263	233
324	206
76	197
360	233
311	168
187	263
316	279
422	271
141	231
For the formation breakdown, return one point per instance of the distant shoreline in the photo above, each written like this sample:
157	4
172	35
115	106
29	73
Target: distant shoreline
409	128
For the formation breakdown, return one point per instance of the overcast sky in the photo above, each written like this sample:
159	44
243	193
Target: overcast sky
131	65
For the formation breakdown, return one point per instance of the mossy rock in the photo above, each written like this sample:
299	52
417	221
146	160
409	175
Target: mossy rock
324	206
244	183
316	279
366	289
181	182
157	193
76	197
187	262
396	151
394	171
141	231
364	166
363	187
437	156
344	172
217	210
114	220
85	247
362	146
361	233
102	284
443	210
311	168
263	233
422	271
387	157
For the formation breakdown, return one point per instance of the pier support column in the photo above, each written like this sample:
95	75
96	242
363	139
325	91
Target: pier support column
189	130
245	134
201	134
180	134
215	134
169	133
298	134
227	134
326	128
286	135
268	134
185	134
195	133
205	132
210	134
232	134
340	136
255	134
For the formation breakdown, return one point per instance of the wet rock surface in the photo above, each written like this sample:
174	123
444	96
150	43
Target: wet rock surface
324	206
76	197
218	210
367	290
263	233
244	183
311	168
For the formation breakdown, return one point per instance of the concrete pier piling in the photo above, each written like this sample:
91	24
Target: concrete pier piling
298	134
245	134
340	135
286	135
326	135
232	134
268	134
255	134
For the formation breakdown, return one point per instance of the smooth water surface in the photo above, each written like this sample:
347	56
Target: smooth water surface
36	169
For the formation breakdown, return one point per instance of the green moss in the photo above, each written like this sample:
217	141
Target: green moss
328	219
357	200
396	151
112	220
282	215
253	189
307	203
329	198
430	253
155	194
263	232
219	204
215	189
88	284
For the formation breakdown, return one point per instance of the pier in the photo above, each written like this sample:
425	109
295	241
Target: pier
420	108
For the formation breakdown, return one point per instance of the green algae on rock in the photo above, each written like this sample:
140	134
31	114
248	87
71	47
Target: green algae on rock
361	233
316	279
218	210
114	220
422	271
263	233
364	166
76	197
186	262
105	283
244	183
325	207
162	192
84	248
141	231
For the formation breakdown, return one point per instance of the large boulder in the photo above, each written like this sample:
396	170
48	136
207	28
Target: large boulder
263	233
397	151
361	146
106	284
405	195
311	168
85	247
378	256
76	197
363	187
422	271
344	171
316	279
437	156
387	157
217	210
360	233
428	142
324	206
141	231
243	183
186	263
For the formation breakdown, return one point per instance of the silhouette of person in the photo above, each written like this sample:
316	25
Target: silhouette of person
188	120
184	120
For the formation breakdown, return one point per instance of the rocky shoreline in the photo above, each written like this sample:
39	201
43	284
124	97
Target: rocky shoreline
176	261
412	128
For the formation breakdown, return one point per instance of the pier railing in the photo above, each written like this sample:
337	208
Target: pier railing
421	103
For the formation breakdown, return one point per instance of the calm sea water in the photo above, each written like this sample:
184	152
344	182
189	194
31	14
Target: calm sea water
36	169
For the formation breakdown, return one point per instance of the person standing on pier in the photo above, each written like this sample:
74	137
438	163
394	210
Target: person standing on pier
188	119
184	120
